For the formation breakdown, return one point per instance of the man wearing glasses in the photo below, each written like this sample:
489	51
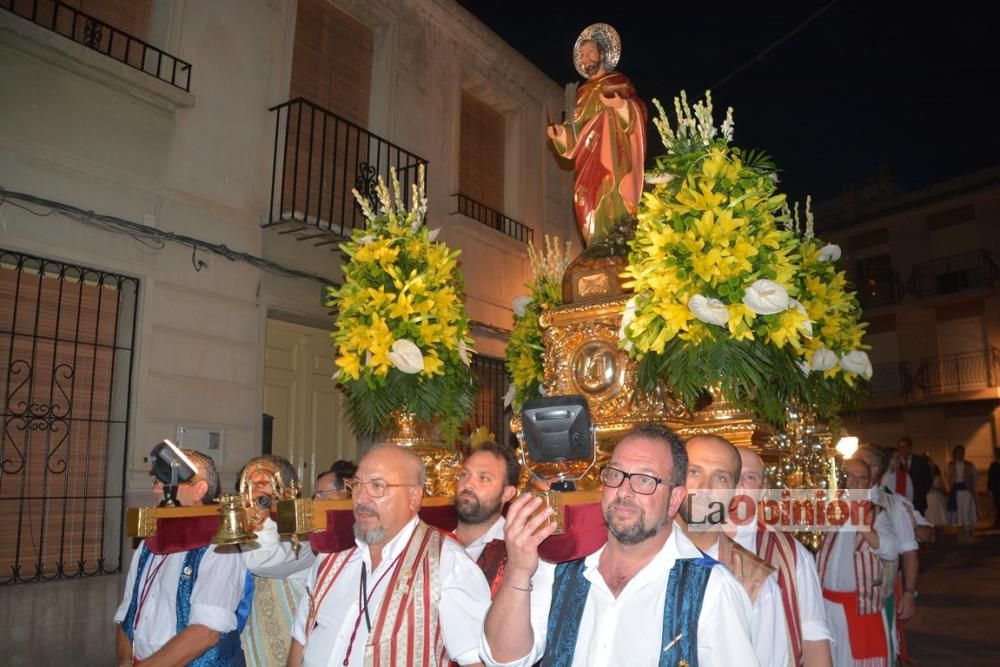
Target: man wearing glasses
404	594
182	608
648	597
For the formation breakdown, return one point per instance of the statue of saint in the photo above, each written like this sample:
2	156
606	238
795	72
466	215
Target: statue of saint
606	136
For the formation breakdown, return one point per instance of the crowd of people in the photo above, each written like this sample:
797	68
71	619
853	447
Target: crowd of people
659	592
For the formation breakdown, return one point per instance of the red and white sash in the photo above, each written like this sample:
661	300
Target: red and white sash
778	550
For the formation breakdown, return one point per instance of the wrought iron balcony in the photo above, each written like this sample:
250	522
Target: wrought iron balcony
319	158
971	270
890	380
492	218
882	290
103	38
967	371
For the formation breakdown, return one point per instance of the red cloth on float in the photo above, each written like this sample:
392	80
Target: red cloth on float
584	532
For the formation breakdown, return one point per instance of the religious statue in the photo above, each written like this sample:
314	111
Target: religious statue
605	136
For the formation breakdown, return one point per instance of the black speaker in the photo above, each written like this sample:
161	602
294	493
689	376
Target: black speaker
557	428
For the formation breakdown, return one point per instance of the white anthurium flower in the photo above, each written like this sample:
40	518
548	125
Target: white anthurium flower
824	359
520	304
366	239
766	297
806	326
433	234
508	398
857	362
709	310
406	356
627	316
829	253
463	352
658	179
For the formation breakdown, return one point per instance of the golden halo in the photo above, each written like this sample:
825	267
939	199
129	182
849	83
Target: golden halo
607	37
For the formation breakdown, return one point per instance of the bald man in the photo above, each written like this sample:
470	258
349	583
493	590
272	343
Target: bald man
801	595
713	471
404	594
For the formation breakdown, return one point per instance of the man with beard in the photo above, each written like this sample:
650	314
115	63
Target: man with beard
404	595
606	136
487	482
801	595
713	471
647	597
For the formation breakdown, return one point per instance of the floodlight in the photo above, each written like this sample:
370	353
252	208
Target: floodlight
171	466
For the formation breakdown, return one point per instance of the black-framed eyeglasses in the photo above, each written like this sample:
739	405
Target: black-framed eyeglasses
640	483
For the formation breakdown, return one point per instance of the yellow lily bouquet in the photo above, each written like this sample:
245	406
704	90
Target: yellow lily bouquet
722	292
402	334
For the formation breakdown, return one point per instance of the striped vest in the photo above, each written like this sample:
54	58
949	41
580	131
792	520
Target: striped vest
407	627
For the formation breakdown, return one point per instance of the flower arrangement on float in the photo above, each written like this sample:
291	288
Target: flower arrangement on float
525	347
401	330
727	293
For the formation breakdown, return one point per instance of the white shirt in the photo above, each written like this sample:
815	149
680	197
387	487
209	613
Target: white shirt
840	564
812	617
275	558
214	597
902	521
768	627
475	549
628	629
465	598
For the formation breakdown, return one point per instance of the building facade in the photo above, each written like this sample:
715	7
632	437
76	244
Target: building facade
176	176
925	266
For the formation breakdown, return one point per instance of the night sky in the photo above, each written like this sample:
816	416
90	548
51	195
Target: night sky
900	90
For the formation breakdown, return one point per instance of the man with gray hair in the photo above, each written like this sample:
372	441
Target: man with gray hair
404	594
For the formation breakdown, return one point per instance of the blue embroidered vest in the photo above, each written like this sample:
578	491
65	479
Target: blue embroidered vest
681	609
227	652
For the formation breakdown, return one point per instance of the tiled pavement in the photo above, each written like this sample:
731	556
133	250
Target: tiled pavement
957	621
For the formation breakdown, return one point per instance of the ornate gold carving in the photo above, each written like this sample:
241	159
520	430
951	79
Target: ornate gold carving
140	522
595	284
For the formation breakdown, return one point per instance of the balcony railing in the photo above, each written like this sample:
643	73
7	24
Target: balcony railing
470	208
959	372
891	380
319	158
98	35
883	290
972	270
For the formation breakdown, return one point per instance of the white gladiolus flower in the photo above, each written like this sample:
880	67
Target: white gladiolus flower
766	297
519	304
829	253
712	311
508	398
824	359
463	352
857	362
627	316
406	356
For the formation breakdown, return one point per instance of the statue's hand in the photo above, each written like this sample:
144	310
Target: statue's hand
556	133
615	101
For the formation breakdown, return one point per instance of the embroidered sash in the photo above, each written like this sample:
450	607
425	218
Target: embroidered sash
681	609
